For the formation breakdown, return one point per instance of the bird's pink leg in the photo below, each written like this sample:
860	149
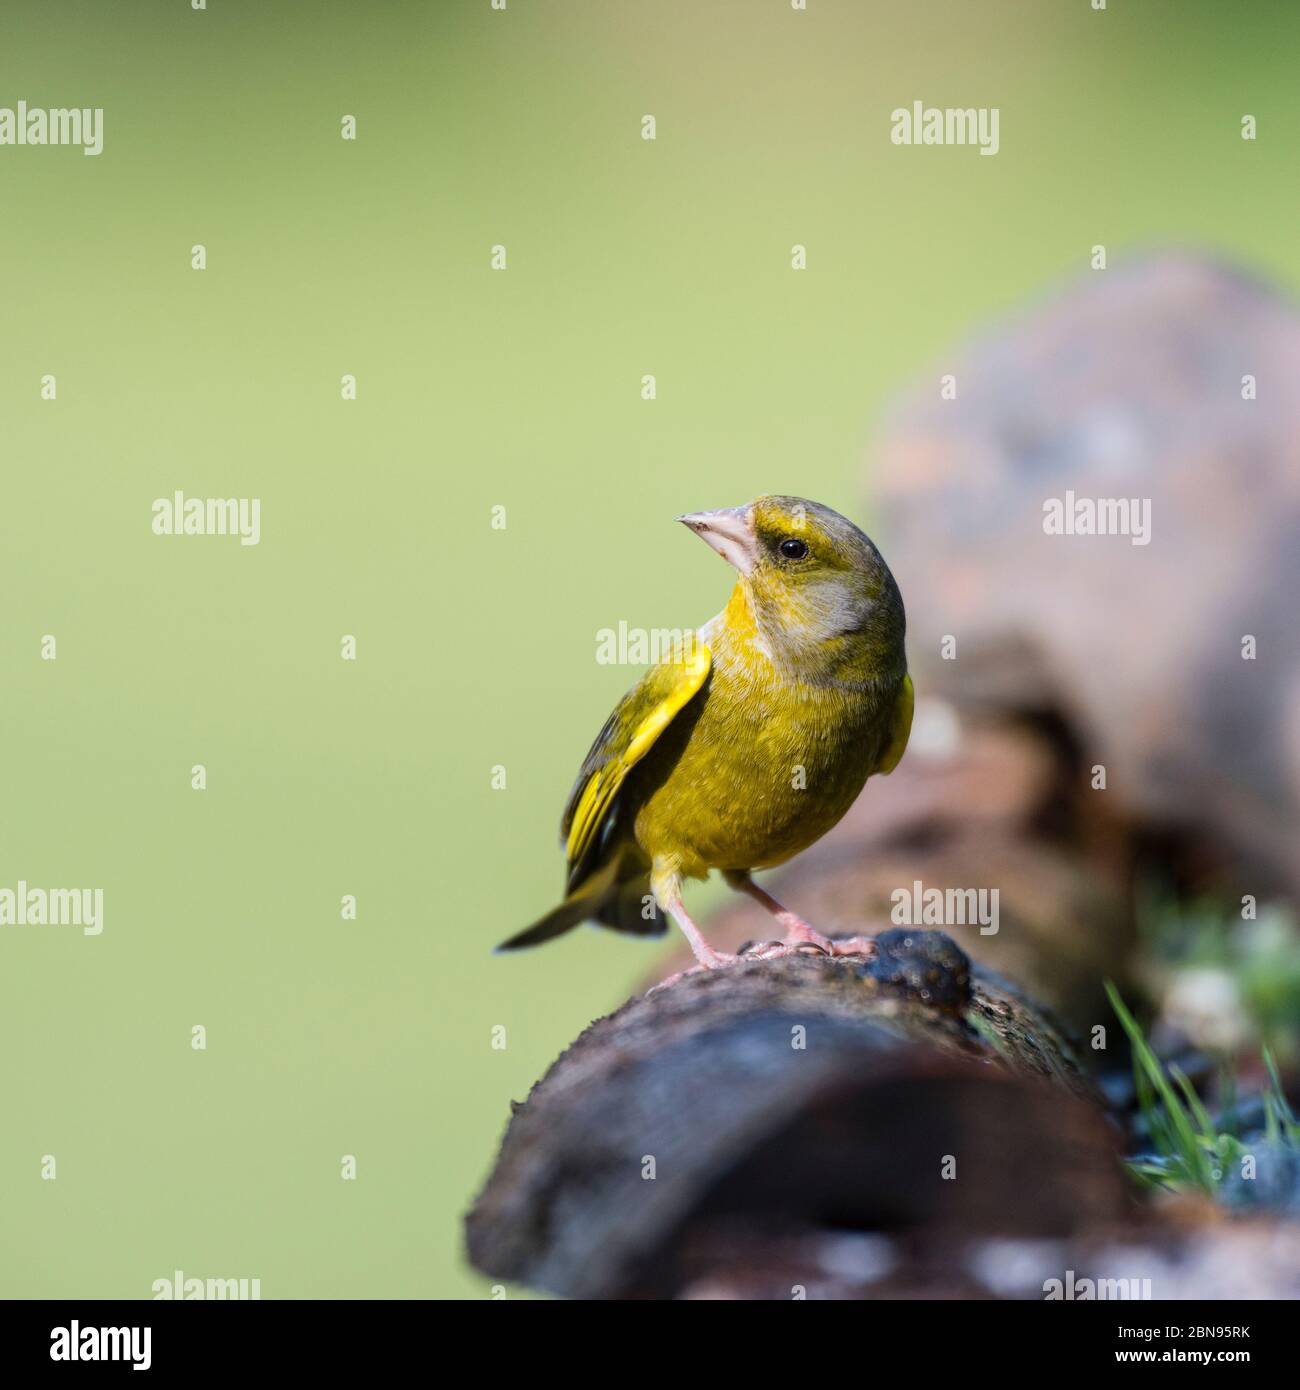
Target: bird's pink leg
799	937
666	885
797	932
708	958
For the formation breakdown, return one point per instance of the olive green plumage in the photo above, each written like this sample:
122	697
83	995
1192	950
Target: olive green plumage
751	743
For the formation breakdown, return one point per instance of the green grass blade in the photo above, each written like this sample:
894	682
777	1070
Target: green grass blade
1199	1113
1195	1161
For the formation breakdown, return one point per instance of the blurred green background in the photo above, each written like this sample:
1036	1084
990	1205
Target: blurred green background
476	647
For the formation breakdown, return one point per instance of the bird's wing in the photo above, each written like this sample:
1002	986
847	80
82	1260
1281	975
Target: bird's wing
900	726
629	734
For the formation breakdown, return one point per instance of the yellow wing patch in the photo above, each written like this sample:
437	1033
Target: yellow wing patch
900	728
604	782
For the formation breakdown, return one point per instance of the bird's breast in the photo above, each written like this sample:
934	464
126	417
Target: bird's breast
765	768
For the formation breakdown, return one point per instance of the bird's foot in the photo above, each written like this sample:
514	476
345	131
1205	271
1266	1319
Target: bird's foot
775	950
750	951
854	946
715	960
802	941
799	933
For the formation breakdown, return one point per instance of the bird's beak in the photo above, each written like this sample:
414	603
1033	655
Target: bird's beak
730	532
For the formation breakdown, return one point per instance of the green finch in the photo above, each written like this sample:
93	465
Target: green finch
749	742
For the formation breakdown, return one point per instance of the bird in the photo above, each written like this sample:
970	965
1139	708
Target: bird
749	740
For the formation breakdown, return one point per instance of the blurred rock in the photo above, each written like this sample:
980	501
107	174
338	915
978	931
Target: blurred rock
1128	385
1204	1006
1276	1183
1246	1260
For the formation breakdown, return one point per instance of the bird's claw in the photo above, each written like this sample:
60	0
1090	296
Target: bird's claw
774	950
862	946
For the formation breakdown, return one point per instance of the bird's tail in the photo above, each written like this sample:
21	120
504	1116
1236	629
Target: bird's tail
610	896
557	921
631	907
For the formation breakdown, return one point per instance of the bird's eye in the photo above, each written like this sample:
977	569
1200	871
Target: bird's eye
793	549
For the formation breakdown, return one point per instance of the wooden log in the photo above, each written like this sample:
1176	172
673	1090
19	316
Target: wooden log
805	1096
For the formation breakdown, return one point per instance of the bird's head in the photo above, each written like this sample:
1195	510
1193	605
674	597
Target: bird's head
821	594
